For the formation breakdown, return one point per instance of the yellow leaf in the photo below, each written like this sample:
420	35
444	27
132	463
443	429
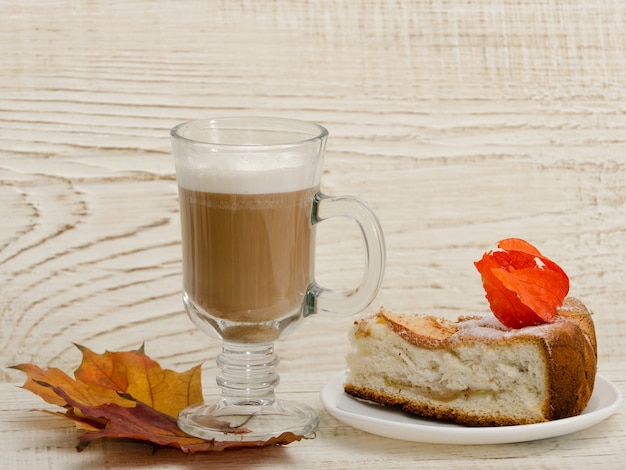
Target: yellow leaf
135	374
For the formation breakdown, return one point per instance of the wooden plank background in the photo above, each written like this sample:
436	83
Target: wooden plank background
460	121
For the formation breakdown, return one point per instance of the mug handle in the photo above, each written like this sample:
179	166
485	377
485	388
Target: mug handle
320	299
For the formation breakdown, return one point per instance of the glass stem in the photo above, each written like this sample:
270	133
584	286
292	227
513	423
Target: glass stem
248	374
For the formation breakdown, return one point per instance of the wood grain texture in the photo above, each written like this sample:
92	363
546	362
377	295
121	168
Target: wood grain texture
460	121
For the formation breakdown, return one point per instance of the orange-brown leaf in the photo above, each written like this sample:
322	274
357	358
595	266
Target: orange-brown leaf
38	381
144	423
127	395
135	374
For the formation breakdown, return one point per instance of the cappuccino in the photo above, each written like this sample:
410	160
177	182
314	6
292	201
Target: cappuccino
247	257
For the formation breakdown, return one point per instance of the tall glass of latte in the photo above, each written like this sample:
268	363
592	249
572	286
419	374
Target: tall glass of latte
249	204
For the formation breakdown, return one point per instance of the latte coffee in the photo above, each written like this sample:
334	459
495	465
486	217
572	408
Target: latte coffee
247	257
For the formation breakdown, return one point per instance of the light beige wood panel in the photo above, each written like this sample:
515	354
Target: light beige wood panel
460	121
38	439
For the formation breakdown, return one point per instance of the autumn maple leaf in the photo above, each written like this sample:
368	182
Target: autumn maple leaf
117	377
133	373
127	395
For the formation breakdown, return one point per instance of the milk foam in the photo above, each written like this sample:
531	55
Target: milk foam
248	155
243	178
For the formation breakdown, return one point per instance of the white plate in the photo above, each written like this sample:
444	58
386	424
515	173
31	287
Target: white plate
393	423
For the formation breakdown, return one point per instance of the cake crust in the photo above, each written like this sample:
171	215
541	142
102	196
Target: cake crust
565	353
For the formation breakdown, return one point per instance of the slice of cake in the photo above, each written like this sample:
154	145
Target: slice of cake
476	371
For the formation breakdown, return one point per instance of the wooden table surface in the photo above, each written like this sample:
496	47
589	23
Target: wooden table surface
462	122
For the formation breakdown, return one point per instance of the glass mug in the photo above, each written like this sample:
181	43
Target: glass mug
249	203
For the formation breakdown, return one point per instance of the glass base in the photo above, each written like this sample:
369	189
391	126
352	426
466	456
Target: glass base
247	422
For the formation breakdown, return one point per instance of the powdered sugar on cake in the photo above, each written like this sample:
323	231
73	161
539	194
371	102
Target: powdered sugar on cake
489	327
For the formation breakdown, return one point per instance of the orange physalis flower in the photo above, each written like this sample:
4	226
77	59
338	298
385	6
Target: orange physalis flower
523	287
